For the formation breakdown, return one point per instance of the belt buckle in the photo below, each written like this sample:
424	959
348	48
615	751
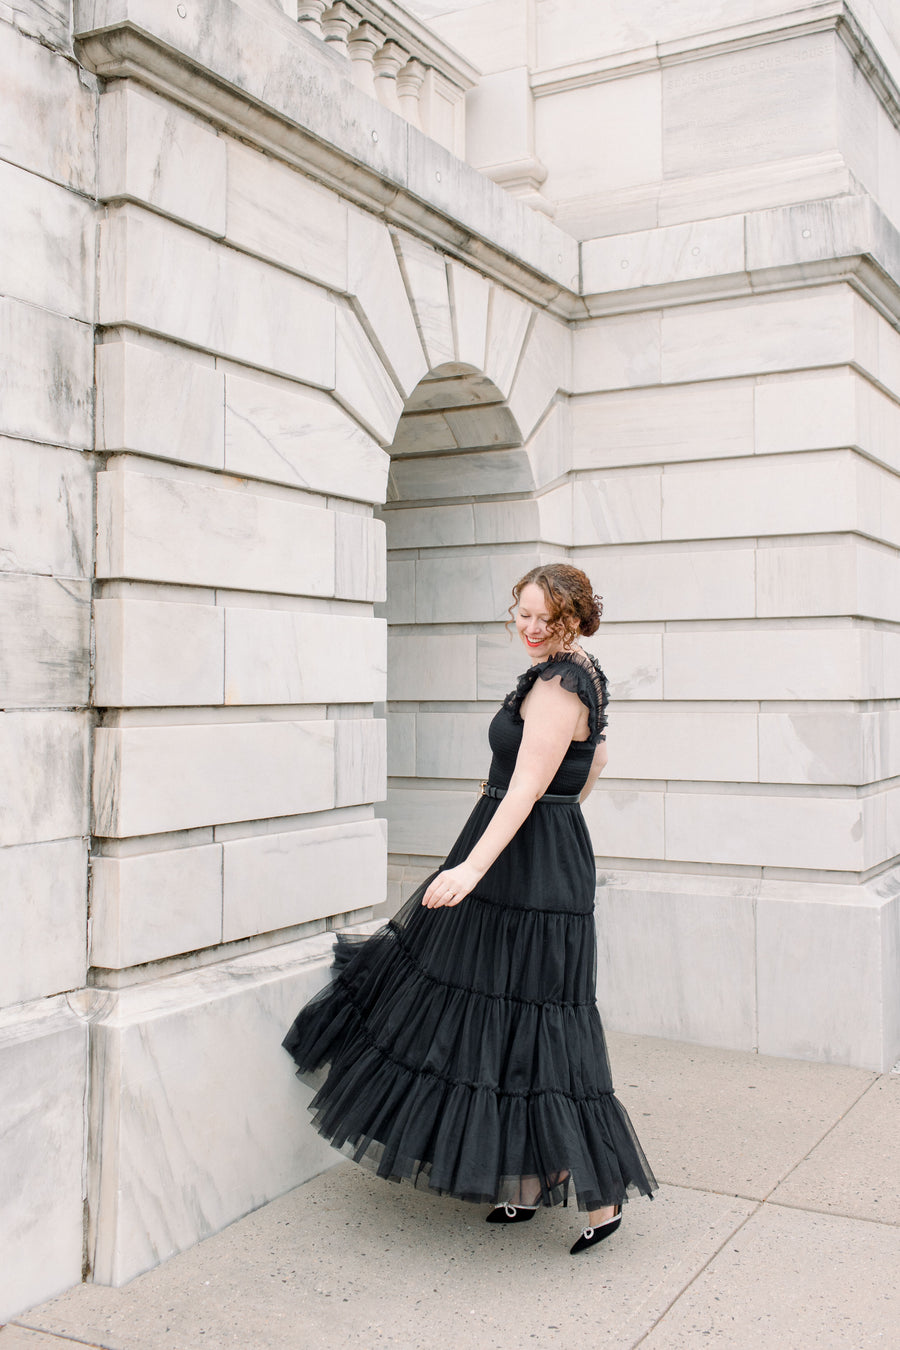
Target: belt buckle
482	786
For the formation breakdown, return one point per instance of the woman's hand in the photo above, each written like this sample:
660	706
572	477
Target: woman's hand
449	887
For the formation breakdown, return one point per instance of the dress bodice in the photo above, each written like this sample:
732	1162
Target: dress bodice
577	672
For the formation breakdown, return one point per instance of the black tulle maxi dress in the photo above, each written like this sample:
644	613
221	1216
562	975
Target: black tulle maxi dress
461	1047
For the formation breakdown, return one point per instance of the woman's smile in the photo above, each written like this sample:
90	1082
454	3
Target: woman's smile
533	622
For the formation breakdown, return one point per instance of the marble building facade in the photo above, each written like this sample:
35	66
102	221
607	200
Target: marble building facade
319	325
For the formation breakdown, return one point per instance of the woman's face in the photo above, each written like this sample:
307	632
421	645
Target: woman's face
532	623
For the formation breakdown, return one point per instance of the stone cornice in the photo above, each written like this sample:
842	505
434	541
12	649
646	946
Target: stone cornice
837	239
269	83
820	17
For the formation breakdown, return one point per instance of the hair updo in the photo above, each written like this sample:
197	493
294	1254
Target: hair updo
572	606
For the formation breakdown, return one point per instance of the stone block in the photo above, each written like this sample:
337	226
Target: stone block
360	761
556	516
837	662
467	475
544	368
658	257
157	654
510	520
425	821
48	362
359	557
811	411
888	174
47	20
619	352
640	584
173	1105
748	107
822	746
43	1085
374	278
501	658
549	450
632	661
277	213
286	656
851	576
819	833
857	106
632	156
662	935
617	508
422	433
453	745
48	246
362	383
401	744
470	296
44	908
499	119
497	42
661	425
148	906
401	592
154	153
508	323
431	526
758	334
479	426
230	537
45	641
49	112
626	823
877	499
148	780
276	880
470	588
656	742
425	273
160	402
284	434
431	666
46	510
43	776
817	948
217	299
788	494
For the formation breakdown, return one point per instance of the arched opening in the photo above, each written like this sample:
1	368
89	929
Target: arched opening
462	522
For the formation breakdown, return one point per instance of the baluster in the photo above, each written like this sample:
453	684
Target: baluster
362	44
388	61
338	23
409	87
309	12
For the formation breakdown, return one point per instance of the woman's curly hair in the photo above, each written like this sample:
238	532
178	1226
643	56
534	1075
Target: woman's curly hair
572	606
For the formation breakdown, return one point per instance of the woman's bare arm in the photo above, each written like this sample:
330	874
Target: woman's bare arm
551	719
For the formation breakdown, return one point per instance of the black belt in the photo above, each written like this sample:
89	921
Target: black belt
553	798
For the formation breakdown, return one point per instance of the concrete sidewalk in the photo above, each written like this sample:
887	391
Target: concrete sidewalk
777	1224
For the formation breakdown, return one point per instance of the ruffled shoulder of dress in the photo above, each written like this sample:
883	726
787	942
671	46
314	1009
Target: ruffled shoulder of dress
580	673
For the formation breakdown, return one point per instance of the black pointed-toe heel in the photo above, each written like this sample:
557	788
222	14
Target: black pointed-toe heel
511	1214
591	1236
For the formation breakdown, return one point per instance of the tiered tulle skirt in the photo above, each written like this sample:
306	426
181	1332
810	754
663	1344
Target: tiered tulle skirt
461	1048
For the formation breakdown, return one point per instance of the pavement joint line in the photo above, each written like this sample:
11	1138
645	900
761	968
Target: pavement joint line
831	1128
834	1213
56	1335
700	1271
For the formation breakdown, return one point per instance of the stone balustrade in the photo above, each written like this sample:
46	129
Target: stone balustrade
397	60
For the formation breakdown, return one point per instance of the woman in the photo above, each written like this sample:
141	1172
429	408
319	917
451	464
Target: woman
461	1044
